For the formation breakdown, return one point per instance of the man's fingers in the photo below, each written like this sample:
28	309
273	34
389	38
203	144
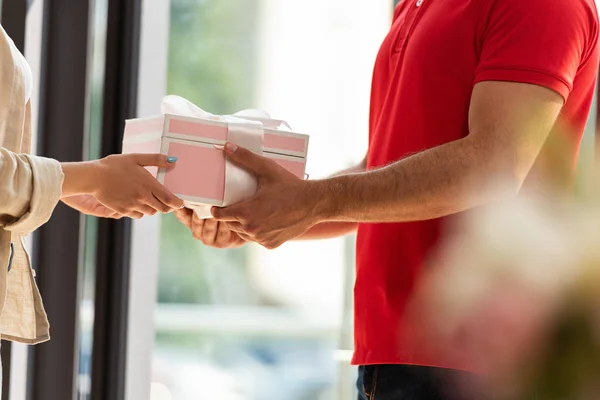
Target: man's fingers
227	239
238	240
258	165
244	237
197	227
227	214
224	236
209	232
184	215
235	227
154	160
223	232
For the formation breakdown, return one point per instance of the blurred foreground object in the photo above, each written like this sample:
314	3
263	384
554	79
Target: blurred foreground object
515	292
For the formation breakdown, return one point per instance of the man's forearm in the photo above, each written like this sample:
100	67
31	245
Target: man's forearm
328	230
437	182
508	123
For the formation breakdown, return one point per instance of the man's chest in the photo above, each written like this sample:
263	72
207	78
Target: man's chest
423	76
439	37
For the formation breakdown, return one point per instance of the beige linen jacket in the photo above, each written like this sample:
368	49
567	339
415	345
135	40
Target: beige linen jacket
30	188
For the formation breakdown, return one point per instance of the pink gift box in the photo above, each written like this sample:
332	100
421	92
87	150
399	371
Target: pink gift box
199	175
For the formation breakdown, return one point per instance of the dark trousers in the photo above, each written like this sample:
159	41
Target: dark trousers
408	382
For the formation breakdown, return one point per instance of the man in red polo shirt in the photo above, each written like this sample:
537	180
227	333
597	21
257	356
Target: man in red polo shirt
463	92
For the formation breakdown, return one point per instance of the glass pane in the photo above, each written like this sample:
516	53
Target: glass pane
249	323
93	144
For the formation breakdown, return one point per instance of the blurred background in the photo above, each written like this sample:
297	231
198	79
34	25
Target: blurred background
154	314
251	323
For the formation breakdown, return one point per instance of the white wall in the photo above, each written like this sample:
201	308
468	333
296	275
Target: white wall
316	60
145	233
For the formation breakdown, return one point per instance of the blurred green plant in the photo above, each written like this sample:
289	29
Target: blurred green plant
516	287
211	63
212	53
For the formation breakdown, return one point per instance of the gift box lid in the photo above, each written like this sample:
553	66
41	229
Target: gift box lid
214	130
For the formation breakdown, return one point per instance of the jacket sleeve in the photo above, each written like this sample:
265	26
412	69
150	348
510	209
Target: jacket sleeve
30	188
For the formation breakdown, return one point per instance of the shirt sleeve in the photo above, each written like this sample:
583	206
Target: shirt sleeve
540	42
30	188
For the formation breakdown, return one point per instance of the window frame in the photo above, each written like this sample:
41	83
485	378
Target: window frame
13	15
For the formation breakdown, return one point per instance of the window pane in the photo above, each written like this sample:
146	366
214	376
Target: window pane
93	151
249	323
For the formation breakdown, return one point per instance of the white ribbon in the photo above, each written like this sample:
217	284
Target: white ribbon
246	129
264	118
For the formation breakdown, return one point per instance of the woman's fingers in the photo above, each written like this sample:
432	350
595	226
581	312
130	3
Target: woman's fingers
148	210
125	186
134	214
153	160
147	204
157	205
166	197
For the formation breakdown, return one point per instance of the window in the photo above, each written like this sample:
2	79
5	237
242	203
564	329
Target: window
250	323
98	25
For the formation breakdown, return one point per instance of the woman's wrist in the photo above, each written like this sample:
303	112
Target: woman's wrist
79	178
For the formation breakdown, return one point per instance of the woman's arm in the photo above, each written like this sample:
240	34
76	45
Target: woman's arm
31	186
122	184
91	177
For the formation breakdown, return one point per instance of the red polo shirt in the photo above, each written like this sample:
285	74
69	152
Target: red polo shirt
434	54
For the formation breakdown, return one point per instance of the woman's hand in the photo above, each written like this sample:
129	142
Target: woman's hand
209	231
122	184
88	205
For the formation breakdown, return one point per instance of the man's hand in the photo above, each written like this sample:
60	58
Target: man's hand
282	208
87	204
209	231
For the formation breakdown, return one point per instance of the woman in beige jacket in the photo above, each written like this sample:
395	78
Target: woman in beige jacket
31	186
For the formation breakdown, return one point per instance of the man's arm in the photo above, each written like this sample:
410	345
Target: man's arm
327	230
508	125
